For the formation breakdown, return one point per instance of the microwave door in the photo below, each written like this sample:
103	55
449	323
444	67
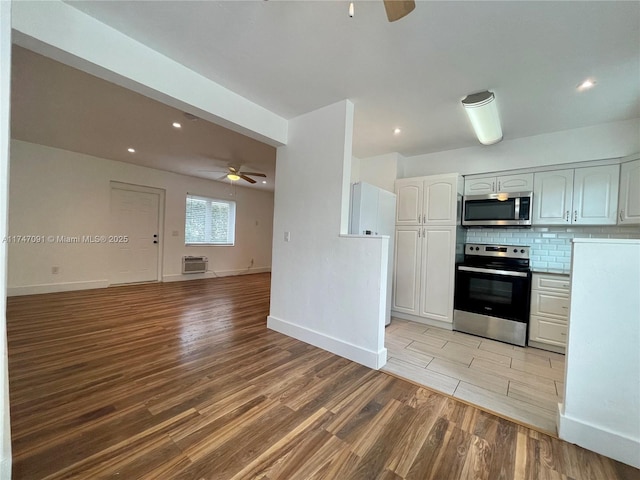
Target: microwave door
490	211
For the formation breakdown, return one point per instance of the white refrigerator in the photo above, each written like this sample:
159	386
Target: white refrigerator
373	212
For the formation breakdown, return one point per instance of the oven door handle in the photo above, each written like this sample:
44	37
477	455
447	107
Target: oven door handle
506	273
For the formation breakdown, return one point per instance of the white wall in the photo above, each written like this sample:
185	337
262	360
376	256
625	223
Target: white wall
57	192
326	289
380	171
5	98
609	140
601	408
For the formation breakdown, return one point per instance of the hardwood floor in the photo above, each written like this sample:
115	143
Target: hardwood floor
184	381
524	384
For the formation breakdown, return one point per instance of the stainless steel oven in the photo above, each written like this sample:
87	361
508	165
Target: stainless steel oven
493	292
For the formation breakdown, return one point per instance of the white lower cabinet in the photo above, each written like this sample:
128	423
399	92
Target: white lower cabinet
424	272
548	321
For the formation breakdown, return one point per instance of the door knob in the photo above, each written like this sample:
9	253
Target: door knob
155	241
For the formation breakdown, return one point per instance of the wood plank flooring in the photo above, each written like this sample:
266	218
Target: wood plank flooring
184	381
523	384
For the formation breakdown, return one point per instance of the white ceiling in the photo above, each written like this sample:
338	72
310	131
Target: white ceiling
295	56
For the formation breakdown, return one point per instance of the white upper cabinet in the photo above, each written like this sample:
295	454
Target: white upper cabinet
552	197
409	202
595	195
501	184
584	196
629	200
427	200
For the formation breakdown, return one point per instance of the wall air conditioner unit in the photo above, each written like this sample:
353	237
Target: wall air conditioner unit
194	264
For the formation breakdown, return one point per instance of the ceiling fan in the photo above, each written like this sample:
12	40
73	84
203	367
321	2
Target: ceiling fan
234	174
396	9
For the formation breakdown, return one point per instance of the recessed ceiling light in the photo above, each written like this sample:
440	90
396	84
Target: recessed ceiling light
131	150
264	181
176	125
397	131
586	85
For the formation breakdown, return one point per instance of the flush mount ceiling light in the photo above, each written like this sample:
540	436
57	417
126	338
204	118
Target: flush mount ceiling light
131	150
483	113
586	85
397	131
233	177
176	125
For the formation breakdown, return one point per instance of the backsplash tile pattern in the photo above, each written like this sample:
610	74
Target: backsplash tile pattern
550	246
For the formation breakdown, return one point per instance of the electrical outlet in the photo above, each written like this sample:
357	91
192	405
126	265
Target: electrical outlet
55	270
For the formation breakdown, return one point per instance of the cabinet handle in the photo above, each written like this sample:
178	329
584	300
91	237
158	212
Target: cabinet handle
567	215
565	307
621	215
493	186
575	215
424	218
419	233
499	186
565	286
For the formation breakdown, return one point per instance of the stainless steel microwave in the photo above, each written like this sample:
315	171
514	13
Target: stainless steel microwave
497	209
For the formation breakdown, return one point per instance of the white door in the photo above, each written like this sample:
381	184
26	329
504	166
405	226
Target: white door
552	197
134	215
407	271
438	270
595	195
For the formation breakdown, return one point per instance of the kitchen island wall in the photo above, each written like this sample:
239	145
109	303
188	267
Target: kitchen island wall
550	246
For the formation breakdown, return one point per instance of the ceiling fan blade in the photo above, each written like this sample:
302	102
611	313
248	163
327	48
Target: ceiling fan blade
248	179
254	174
396	9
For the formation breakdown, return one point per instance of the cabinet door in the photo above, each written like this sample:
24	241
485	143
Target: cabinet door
409	202
440	201
515	183
547	331
552	197
629	203
438	269
479	186
595	195
555	305
408	243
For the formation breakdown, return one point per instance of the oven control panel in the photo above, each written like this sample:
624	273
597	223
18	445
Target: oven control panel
505	251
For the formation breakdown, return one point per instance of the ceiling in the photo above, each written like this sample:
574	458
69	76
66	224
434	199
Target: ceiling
292	57
56	105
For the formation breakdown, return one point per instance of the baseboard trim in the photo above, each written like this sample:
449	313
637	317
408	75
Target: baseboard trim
549	348
425	321
368	358
595	438
220	273
56	287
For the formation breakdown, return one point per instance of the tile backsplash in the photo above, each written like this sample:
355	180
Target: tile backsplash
550	246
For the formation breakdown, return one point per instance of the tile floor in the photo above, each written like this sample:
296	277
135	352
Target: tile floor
524	384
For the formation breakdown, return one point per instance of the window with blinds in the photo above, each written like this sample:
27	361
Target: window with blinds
209	221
